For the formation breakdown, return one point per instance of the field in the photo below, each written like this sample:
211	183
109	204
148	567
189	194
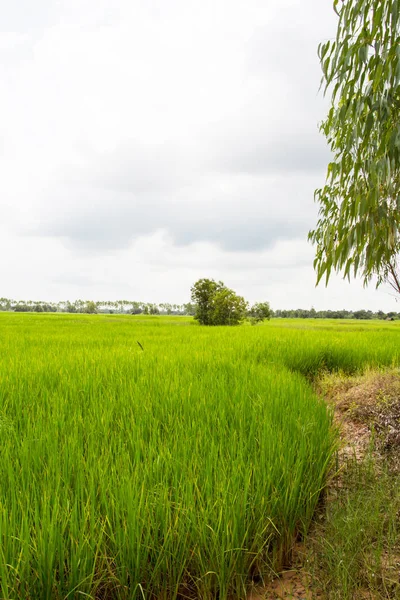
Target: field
148	457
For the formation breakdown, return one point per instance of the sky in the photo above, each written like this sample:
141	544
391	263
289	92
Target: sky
147	144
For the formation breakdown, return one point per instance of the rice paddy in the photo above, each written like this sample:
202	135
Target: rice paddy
148	457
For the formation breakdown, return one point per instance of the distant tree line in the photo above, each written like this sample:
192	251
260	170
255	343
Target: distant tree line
102	307
301	313
187	309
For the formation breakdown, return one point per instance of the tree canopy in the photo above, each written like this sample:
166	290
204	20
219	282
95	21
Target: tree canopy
359	206
216	304
259	312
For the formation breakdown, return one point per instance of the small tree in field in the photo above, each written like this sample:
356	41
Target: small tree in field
216	304
229	309
259	312
203	293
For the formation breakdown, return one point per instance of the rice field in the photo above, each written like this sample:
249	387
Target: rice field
151	458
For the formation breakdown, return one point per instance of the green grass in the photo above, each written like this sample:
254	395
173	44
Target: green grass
185	469
355	552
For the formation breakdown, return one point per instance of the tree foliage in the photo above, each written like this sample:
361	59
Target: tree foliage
90	307
259	312
359	215
216	304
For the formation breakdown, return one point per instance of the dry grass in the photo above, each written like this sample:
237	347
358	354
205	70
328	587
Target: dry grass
366	405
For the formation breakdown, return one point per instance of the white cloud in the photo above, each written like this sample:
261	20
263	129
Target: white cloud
144	145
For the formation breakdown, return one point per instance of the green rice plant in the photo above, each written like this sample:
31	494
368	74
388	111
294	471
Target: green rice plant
185	466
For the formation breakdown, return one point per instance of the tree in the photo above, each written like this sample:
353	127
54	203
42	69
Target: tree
69	307
153	309
136	309
216	304
5	303
202	294
259	312
189	309
359	205
90	307
362	314
228	308
21	307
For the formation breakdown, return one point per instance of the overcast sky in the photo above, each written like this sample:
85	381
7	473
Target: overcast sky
147	143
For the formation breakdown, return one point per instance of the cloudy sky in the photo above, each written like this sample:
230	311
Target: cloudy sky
147	143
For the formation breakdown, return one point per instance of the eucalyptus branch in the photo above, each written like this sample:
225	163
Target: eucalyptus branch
358	224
